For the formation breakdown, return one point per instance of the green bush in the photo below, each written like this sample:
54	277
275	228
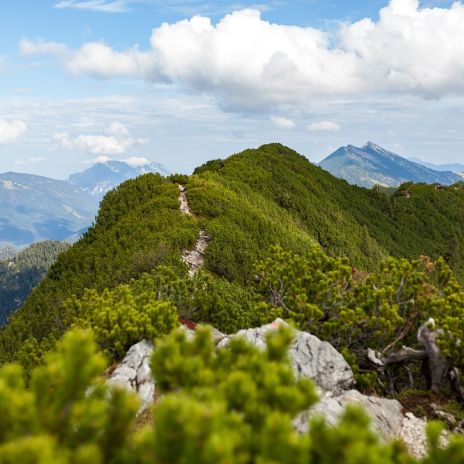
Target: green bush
124	316
66	415
354	311
235	405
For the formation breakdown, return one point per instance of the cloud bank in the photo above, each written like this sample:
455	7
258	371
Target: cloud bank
116	140
11	131
249	63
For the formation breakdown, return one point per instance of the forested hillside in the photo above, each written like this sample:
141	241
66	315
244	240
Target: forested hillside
377	274
247	203
20	273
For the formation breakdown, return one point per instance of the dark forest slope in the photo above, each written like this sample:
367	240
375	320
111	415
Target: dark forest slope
20	273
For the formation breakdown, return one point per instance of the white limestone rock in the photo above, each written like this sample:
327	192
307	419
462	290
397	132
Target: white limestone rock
310	357
134	373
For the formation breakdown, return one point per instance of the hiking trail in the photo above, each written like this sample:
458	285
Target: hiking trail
195	258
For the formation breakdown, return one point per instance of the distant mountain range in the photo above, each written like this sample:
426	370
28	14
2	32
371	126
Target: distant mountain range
373	165
103	177
35	208
453	167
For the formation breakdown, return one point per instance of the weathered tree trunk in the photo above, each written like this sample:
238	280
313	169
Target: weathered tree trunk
437	363
435	367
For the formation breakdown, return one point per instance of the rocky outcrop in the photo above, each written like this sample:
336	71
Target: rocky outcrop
387	418
134	373
310	357
412	432
386	415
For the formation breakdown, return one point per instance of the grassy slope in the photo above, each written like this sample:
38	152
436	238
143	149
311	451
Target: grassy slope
247	203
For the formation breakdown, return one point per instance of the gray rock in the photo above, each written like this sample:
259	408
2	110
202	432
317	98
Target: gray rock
386	415
310	357
413	434
134	373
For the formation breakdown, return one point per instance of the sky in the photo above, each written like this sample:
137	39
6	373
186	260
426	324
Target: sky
184	81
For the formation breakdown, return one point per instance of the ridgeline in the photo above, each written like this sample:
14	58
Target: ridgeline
246	204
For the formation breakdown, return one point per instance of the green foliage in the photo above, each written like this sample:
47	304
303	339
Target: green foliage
20	273
234	405
306	288
124	316
139	227
346	220
224	406
247	203
227	306
353	311
66	415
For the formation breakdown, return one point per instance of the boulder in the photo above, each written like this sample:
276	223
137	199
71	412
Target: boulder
310	357
134	373
413	433
386	415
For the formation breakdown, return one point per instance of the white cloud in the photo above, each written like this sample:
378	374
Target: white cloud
116	140
324	126
102	159
408	50
41	47
136	161
100	60
282	123
11	131
104	6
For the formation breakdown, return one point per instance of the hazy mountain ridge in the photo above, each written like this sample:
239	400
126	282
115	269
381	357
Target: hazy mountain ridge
103	177
7	251
373	165
453	167
35	208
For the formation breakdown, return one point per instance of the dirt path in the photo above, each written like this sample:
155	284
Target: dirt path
184	206
195	259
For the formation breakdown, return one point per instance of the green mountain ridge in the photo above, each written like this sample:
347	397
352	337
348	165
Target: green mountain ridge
246	203
282	239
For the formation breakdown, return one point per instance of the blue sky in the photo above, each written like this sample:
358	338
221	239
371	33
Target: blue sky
181	82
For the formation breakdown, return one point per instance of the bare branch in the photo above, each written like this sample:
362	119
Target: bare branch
406	354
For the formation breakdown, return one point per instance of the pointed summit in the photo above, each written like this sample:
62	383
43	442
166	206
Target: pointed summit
103	177
372	146
373	165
